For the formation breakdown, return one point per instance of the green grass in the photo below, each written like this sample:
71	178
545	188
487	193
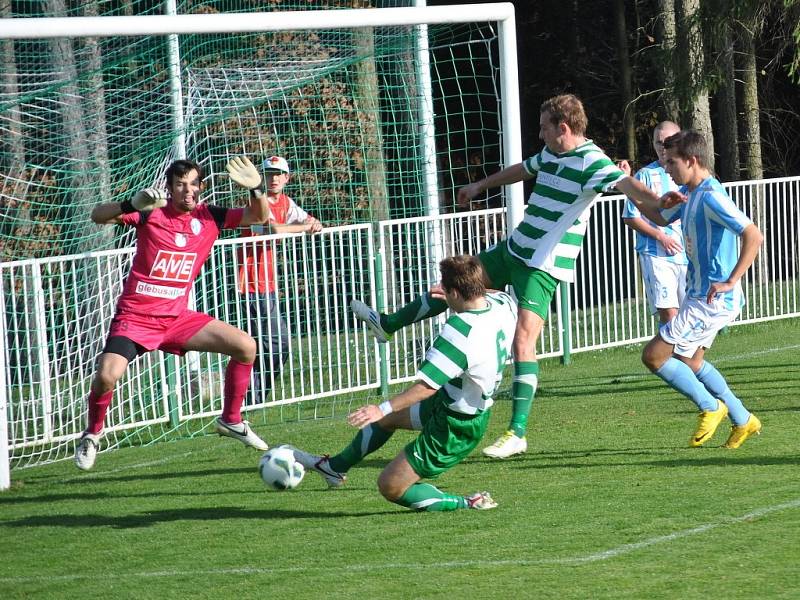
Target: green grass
607	503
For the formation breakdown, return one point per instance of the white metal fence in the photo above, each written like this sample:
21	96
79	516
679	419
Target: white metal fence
55	314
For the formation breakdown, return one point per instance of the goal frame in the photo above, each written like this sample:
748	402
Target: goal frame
501	13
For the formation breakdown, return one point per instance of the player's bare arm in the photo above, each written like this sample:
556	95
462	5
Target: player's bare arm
752	239
670	244
648	201
244	173
257	210
507	176
312	225
110	213
309	225
372	413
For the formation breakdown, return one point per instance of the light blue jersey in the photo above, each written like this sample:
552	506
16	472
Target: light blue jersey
657	179
711	225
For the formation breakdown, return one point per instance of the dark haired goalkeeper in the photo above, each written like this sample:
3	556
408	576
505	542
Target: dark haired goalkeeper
174	236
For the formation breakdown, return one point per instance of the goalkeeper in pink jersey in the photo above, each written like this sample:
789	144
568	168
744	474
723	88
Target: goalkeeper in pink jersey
174	236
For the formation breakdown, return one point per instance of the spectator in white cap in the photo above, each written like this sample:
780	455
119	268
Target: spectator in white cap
257	276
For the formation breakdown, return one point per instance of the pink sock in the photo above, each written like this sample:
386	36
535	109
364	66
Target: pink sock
98	406
237	380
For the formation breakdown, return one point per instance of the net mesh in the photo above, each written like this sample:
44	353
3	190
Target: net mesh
86	121
92	120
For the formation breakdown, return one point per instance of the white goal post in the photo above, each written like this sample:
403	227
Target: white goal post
501	13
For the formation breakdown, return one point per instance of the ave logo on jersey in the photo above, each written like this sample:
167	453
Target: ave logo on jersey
173	266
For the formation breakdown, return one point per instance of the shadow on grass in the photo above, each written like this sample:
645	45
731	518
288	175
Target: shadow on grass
783	375
211	514
98	477
562	460
11	501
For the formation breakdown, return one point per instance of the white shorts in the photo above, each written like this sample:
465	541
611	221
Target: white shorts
696	325
664	282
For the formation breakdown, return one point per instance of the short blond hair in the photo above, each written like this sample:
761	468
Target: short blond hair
566	108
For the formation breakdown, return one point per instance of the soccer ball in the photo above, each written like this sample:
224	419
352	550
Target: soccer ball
279	470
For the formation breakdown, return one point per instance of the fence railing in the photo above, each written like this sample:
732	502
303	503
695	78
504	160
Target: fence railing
55	314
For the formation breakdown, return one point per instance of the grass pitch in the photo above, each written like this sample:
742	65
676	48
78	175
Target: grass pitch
609	502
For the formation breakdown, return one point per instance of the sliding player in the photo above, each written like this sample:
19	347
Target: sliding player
450	402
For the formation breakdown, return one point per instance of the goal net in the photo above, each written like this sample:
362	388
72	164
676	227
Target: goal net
382	118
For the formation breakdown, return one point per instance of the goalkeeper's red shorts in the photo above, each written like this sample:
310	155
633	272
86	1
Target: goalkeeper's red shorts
168	334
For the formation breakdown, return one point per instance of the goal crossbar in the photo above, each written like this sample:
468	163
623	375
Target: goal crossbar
57	27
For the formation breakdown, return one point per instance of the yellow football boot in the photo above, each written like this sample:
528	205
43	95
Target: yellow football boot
707	423
739	433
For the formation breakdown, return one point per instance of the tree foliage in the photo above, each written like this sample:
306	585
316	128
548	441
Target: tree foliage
569	47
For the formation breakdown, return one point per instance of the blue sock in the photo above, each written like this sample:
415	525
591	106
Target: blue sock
716	384
681	378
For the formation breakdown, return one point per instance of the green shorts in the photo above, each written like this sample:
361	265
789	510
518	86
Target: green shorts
534	288
446	439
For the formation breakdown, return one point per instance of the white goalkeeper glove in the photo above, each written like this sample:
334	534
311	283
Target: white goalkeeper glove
243	172
148	199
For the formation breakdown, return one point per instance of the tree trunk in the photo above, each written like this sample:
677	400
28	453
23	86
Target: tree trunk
14	210
667	31
70	140
751	130
368	108
751	133
13	147
694	97
625	77
95	108
727	126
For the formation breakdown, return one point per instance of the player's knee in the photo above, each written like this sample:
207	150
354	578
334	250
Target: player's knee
647	359
524	348
247	348
388	487
694	364
110	368
650	359
104	381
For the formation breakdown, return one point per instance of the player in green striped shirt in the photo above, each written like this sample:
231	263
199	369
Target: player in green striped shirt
450	402
571	172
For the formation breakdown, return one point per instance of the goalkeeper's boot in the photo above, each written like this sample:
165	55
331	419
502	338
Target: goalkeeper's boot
242	432
480	501
321	465
506	445
372	318
707	423
86	450
739	433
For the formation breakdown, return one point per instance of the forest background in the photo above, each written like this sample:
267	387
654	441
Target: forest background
728	68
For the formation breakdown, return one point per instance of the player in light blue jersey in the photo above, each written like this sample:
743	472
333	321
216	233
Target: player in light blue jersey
711	225
450	403
660	249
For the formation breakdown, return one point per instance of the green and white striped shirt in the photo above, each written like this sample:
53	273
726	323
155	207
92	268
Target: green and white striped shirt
468	356
550	236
